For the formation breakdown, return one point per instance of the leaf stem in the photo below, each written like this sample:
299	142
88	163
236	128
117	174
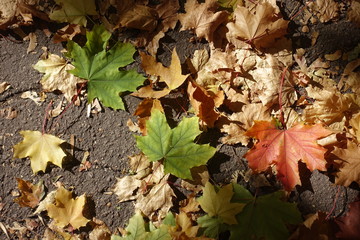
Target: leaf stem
280	98
46	115
301	10
334	204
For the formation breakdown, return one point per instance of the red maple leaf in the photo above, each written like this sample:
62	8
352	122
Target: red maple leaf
285	148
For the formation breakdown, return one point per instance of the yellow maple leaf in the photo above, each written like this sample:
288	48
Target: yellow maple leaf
171	75
67	210
57	76
218	203
73	11
41	149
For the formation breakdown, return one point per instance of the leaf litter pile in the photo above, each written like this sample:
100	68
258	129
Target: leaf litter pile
248	83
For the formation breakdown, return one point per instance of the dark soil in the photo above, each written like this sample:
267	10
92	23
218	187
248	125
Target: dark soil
106	136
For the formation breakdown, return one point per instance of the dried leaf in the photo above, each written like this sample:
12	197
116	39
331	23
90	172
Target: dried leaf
67	210
31	195
349	224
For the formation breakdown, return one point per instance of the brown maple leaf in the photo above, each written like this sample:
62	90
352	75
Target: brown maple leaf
349	224
203	103
30	194
259	29
285	148
349	160
202	18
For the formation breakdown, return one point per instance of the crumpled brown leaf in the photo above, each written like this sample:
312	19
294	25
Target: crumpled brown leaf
259	29
202	18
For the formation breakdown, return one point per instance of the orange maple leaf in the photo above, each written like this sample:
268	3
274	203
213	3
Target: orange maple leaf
285	148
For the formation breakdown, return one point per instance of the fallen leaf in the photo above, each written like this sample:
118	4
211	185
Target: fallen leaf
31	195
259	29
355	124
41	149
32	95
144	110
8	11
100	67
8	113
57	76
137	230
4	86
218	203
33	42
171	75
73	11
202	18
325	10
67	33
203	103
49	199
176	146
349	161
353	12
158	200
67	210
285	148
349	224
263	217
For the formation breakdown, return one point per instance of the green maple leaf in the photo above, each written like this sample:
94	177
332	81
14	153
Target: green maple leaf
176	146
217	204
73	11
101	67
137	229
264	217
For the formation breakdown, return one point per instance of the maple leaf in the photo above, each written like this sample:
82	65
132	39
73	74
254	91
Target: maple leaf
57	76
285	148
41	149
264	217
240	121
349	224
349	160
137	230
230	5
143	111
73	11
31	194
355	124
260	29
217	203
174	146
203	103
202	19
330	107
171	75
67	210
100	67
325	10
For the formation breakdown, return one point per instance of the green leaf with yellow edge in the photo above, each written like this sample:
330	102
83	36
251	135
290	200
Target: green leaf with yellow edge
101	67
218	203
73	11
264	217
41	149
67	210
176	146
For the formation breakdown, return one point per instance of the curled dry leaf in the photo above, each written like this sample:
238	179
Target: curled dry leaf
32	95
4	86
41	149
203	103
8	11
202	18
31	195
57	76
67	210
143	111
354	13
